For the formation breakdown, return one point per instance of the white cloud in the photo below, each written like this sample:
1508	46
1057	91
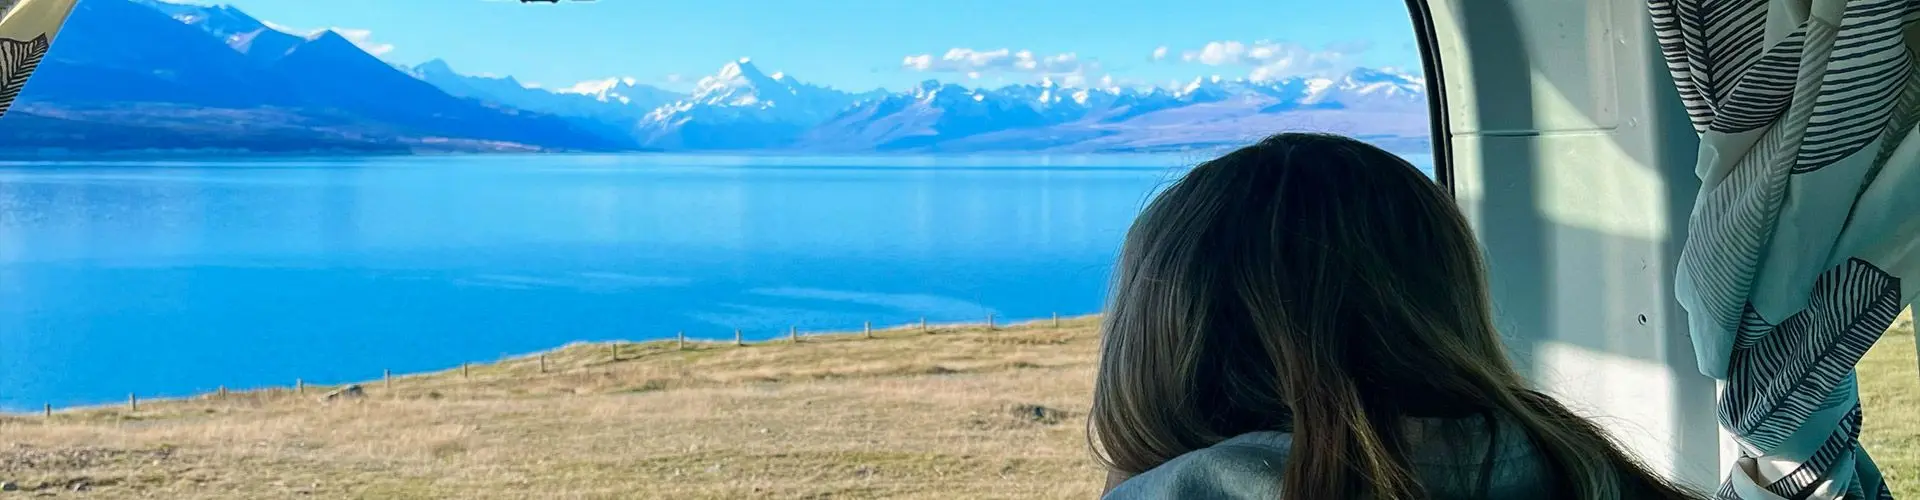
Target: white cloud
975	64
288	29
1160	53
1271	60
364	39
674	78
965	60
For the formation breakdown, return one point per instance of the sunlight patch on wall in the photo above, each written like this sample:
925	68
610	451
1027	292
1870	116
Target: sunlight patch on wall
1631	398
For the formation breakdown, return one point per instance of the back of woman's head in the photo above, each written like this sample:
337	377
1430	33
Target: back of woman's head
1317	284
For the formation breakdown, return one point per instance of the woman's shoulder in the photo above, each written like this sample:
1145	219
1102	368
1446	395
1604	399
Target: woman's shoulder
1246	466
1252	465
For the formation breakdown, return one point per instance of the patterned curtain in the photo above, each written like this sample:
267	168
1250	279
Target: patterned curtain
26	27
1805	239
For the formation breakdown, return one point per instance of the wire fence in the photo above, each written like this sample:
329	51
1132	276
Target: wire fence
614	352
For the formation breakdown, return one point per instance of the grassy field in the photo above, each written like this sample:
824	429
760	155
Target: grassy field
1890	400
958	412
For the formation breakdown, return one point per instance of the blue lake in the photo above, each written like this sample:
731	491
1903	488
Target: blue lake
170	278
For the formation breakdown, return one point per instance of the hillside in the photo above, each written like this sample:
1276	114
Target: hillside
135	66
996	414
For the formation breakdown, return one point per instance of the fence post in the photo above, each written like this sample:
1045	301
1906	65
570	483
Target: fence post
736	338
386	377
299	386
683	341
869	329
223	392
615	349
543	363
1056	320
793	334
46	410
133	402
923	324
989	321
463	370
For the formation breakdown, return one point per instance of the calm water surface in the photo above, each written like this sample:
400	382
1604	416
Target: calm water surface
170	278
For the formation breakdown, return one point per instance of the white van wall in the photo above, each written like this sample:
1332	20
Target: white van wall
1574	159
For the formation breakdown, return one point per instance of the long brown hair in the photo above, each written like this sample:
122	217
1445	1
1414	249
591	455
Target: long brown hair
1319	285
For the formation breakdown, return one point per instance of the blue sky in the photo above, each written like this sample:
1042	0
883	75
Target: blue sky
862	44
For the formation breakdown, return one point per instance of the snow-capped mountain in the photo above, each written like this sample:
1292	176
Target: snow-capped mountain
1061	104
626	92
615	100
741	87
946	117
928	113
1379	88
742	107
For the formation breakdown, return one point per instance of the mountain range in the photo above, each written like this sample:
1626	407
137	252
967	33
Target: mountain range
151	75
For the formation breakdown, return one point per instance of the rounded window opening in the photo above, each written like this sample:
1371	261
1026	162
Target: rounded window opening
777	241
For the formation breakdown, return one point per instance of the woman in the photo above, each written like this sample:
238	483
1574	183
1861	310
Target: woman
1308	315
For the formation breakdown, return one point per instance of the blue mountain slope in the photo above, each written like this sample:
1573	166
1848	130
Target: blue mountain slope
242	32
330	71
126	57
117	51
620	102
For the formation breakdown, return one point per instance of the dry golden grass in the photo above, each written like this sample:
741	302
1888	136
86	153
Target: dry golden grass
994	414
1890	405
960	412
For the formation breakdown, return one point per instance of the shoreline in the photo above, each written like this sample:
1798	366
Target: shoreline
216	154
628	350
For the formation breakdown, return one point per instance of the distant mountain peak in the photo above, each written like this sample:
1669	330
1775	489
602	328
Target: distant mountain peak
436	66
230	14
742	83
328	35
259	40
1204	82
439	72
776	107
1384	82
742	69
614	90
594	86
222	20
328	40
1373	74
234	11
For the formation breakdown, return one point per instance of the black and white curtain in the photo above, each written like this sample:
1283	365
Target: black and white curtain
1804	242
26	29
